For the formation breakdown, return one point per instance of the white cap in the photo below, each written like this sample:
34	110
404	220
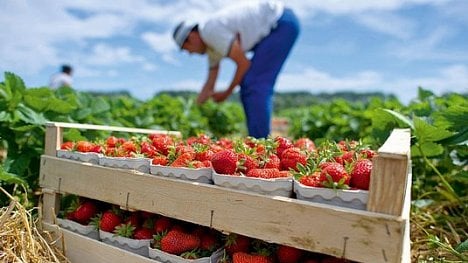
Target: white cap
182	31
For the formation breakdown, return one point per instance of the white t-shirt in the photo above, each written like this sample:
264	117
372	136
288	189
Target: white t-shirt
60	79
252	21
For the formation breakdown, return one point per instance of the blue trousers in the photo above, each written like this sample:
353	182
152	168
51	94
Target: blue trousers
257	86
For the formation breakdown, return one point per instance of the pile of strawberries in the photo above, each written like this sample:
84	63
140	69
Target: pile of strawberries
346	164
187	240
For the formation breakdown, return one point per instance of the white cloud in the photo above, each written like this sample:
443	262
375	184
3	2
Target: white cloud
453	78
105	55
429	47
387	23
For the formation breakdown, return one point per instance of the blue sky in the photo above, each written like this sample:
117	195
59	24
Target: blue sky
392	46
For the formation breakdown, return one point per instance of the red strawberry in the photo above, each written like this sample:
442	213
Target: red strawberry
148	149
305	144
266	173
109	221
237	243
224	162
111	141
85	212
183	159
368	153
283	144
360	175
143	233
162	224
291	157
84	146
67	146
159	160
243	257
337	174
162	142
129	147
287	254
310	180
134	219
177	242
273	161
246	163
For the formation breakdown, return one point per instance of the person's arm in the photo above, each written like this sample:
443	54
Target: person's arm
208	88
243	63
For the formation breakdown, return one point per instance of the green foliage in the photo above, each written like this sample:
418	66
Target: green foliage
439	129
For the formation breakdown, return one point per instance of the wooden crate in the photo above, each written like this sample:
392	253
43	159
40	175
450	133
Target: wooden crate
380	234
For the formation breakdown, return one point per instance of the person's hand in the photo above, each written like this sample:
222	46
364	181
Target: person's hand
203	97
221	95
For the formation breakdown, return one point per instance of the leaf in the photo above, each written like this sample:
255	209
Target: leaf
10	177
430	149
99	105
424	94
462	247
455	117
426	132
400	118
30	116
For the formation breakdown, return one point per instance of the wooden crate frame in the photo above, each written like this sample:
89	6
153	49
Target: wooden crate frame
380	234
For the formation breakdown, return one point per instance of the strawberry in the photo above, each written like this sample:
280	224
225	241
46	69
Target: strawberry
109	221
143	233
176	242
134	219
305	144
83	146
237	243
291	157
310	180
124	230
183	159
273	161
162	224
266	173
367	153
147	149
360	175
243	257
111	141
224	162
67	146
287	254
283	144
245	163
129	147
334	175
85	212
161	143
159	160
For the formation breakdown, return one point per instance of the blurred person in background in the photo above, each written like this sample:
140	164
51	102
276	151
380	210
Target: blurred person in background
62	78
268	29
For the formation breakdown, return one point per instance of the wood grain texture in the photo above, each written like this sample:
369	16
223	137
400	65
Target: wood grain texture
357	235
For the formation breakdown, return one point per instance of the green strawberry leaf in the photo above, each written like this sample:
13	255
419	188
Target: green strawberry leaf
429	149
400	118
462	247
426	132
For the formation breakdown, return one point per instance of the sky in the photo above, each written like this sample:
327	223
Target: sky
389	46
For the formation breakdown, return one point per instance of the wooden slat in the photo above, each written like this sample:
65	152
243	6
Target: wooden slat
357	235
82	249
110	128
50	205
389	179
53	140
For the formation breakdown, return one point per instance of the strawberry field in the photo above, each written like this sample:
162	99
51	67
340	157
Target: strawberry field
438	145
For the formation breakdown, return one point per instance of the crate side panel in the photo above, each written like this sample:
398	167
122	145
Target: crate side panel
81	249
315	227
